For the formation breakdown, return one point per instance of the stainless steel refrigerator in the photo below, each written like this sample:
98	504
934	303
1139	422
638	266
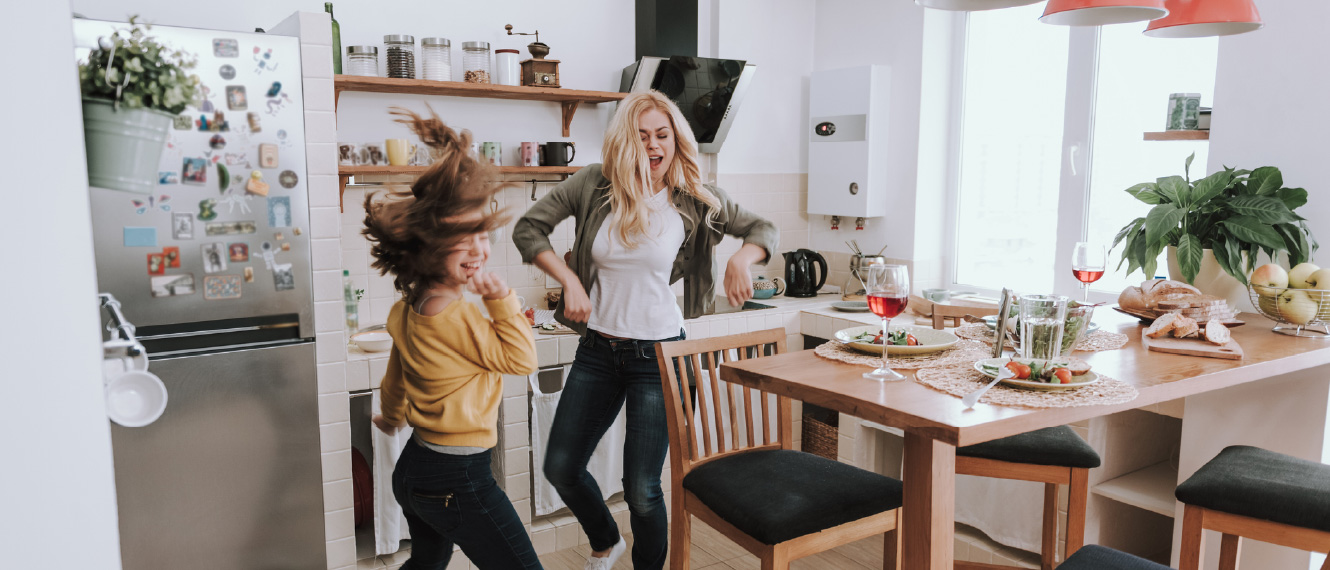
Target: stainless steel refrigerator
213	269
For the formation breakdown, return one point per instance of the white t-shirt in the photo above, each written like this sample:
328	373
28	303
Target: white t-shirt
631	297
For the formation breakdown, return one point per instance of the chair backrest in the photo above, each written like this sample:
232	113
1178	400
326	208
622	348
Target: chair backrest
716	418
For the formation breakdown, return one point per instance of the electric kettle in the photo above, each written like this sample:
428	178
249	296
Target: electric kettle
801	279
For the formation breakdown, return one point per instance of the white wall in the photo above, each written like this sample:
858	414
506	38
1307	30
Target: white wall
57	492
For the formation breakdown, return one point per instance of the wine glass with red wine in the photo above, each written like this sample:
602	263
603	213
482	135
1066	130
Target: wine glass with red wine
888	293
1087	264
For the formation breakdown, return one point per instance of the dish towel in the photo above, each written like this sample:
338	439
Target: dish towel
606	465
389	522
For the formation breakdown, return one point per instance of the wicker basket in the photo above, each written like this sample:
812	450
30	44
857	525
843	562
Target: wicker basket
1267	300
820	438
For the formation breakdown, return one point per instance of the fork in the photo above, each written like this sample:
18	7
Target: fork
973	397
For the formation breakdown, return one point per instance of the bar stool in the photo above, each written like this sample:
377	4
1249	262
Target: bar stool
1255	493
1095	557
1053	456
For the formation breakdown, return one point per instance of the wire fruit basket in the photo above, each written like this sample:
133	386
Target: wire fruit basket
1297	312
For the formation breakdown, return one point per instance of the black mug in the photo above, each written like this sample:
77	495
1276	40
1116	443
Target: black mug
557	153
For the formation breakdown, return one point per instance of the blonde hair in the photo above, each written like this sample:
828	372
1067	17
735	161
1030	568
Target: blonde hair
625	164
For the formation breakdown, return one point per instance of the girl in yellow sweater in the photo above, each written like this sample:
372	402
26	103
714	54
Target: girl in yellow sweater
444	374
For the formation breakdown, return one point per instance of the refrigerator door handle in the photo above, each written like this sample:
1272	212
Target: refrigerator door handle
221	331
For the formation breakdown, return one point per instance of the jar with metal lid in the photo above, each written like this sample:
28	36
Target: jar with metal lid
476	62
506	69
436	60
362	60
401	56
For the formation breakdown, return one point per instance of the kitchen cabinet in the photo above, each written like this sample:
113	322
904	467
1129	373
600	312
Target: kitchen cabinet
1178	136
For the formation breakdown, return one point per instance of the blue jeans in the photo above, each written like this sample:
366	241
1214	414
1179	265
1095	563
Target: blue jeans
605	374
451	499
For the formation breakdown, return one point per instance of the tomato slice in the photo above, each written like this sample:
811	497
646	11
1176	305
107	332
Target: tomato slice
911	341
1061	376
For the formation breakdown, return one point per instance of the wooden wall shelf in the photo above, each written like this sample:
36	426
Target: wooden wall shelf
344	173
1178	136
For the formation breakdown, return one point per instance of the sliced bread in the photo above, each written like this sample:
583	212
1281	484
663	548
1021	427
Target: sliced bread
1162	325
1185	327
1217	333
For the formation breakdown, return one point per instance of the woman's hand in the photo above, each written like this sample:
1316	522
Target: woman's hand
576	304
383	425
489	286
738	279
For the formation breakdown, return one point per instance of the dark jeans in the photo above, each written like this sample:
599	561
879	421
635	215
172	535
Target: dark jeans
451	499
605	374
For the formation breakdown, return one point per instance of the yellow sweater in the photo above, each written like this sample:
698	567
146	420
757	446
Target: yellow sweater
444	372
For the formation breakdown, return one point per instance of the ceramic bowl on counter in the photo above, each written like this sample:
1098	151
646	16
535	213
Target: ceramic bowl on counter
373	341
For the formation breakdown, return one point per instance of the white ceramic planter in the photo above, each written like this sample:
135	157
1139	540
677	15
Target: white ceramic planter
1212	280
125	146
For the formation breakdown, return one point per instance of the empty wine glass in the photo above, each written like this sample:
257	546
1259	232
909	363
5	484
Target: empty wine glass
1087	264
888	293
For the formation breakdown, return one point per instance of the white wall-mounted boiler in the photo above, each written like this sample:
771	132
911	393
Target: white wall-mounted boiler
847	141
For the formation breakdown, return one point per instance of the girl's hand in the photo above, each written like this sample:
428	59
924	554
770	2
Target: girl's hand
383	425
738	282
576	304
489	285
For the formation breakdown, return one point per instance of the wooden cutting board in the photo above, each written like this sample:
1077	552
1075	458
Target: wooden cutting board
1193	347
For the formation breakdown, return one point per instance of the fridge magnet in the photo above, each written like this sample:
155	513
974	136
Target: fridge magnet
239	252
237	159
275	88
225	47
182	226
214	257
172	285
182	123
267	155
205	99
203	123
233	199
230	228
254	125
283	278
249	275
168	178
295	231
279	236
279	211
217	142
157	202
286	246
288	179
172	256
256	185
227	72
267	254
194	171
218	287
263	60
156	264
277	103
140	237
207	209
235	98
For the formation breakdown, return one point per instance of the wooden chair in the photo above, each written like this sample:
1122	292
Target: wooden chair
732	466
1255	493
1095	557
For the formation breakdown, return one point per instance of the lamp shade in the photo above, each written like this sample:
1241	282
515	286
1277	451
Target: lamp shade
1101	12
1204	18
972	5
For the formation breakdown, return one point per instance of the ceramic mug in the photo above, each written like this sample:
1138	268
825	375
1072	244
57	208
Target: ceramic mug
422	157
348	154
372	154
530	154
558	153
492	152
400	151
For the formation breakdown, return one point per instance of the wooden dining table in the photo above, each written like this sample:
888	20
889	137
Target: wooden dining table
936	423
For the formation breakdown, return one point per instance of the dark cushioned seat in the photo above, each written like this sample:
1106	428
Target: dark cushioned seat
777	495
1058	446
1262	484
1095	557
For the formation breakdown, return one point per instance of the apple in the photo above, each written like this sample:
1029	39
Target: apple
1297	307
1270	275
1297	277
1319	279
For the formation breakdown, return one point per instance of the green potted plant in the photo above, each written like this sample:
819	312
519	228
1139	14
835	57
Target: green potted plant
1214	228
133	87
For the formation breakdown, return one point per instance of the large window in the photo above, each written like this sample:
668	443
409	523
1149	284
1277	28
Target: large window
1051	135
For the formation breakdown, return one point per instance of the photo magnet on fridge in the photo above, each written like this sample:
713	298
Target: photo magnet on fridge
194	171
279	211
183	123
230	228
156	264
239	252
267	155
235	98
172	255
182	226
216	287
172	285
225	47
283	278
214	257
168	178
249	275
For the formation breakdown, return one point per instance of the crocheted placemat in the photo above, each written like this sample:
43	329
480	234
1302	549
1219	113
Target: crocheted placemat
1093	342
961	380
964	352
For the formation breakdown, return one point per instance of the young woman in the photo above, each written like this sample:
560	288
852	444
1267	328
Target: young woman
644	221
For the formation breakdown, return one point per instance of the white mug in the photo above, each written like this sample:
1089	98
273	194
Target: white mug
135	398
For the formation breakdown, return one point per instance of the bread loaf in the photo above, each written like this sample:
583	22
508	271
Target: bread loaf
1162	325
1185	327
1132	299
1157	290
1217	333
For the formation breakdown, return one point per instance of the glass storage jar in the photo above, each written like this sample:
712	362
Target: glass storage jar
436	63
476	62
506	69
362	60
401	56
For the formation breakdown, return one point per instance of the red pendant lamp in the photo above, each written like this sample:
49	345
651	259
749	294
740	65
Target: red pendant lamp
972	5
1204	18
1101	12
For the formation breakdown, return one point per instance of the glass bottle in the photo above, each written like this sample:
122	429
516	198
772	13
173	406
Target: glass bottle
352	304
336	39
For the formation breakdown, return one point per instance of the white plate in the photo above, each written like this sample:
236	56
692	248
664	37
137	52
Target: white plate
1079	381
930	340
376	341
851	306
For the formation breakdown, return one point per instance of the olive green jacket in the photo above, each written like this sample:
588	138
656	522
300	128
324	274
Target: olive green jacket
585	197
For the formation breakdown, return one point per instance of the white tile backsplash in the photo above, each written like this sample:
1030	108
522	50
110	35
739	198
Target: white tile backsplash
329	316
377	368
357	376
330	347
335	437
332	377
326	254
334	408
338	495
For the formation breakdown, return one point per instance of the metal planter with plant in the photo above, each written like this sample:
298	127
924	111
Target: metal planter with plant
132	88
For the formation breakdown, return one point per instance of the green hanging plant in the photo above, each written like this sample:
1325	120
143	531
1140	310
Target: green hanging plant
133	70
1234	213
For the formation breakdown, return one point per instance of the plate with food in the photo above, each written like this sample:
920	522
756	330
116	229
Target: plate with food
1038	374
901	341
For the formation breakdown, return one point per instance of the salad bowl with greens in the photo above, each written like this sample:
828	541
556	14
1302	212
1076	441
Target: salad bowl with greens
904	340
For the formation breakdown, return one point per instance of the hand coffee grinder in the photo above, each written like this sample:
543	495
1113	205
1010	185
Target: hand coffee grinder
537	71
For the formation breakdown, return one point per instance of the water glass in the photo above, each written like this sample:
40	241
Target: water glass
1043	319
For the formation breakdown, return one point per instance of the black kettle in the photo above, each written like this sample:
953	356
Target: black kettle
801	280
